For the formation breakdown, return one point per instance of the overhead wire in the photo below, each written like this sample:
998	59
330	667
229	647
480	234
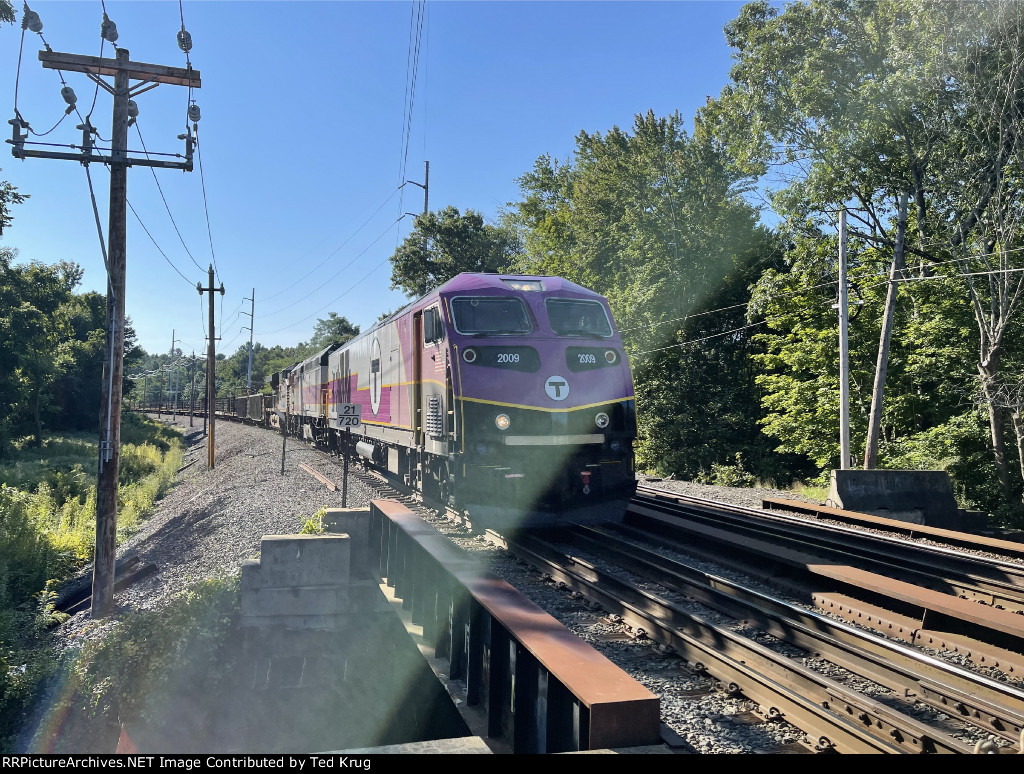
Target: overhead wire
206	208
336	249
416	16
169	261
327	281
349	289
164	198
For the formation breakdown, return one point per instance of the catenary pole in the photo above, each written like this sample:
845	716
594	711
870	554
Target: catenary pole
192	391
170	380
252	318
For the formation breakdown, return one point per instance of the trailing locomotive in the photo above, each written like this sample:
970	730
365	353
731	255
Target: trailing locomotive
508	396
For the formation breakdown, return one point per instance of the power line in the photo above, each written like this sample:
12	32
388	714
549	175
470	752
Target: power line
327	281
206	209
350	287
416	15
169	261
164	198
336	249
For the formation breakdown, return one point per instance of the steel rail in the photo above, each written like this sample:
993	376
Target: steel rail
838	718
989	704
933	610
991	544
991	582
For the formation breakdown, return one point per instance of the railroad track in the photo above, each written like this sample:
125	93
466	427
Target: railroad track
930	596
992	581
888	698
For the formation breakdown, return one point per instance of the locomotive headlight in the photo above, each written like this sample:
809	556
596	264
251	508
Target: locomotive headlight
502	421
611	356
601	420
469	355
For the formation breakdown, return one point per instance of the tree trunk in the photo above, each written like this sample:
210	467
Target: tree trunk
882	366
1018	428
988	369
36	412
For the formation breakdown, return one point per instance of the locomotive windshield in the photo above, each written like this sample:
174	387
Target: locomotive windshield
571	317
490	315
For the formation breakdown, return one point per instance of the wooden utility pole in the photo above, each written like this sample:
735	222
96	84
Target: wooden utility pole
211	369
882	366
123	71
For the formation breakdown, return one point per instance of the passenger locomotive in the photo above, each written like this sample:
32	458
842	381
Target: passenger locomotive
507	396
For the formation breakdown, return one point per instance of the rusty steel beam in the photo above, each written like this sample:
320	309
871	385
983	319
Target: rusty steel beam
909	630
543	689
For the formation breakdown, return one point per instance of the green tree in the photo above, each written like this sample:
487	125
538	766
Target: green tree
38	325
8	195
848	104
334	330
655	221
444	244
6	12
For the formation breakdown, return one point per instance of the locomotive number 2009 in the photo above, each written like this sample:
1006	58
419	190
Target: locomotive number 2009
587	358
508	357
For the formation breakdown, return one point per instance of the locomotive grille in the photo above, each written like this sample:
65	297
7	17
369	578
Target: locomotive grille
434	417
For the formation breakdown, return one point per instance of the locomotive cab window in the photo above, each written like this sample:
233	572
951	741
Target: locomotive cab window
572	317
433	326
490	315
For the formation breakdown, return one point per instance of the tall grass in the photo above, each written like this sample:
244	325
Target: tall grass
47	532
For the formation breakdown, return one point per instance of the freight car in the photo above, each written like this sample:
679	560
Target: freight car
507	396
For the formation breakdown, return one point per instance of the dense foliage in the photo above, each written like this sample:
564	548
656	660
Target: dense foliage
656	220
51	350
446	243
849	104
47	533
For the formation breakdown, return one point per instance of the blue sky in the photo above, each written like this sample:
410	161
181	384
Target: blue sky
304	132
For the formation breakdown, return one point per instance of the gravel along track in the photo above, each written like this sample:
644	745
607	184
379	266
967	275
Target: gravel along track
211	521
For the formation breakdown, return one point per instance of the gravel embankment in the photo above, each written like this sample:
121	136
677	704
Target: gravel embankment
212	520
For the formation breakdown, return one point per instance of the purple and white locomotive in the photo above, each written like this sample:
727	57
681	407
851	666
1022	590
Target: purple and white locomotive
508	396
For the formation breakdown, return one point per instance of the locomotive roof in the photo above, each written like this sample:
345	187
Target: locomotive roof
470	281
